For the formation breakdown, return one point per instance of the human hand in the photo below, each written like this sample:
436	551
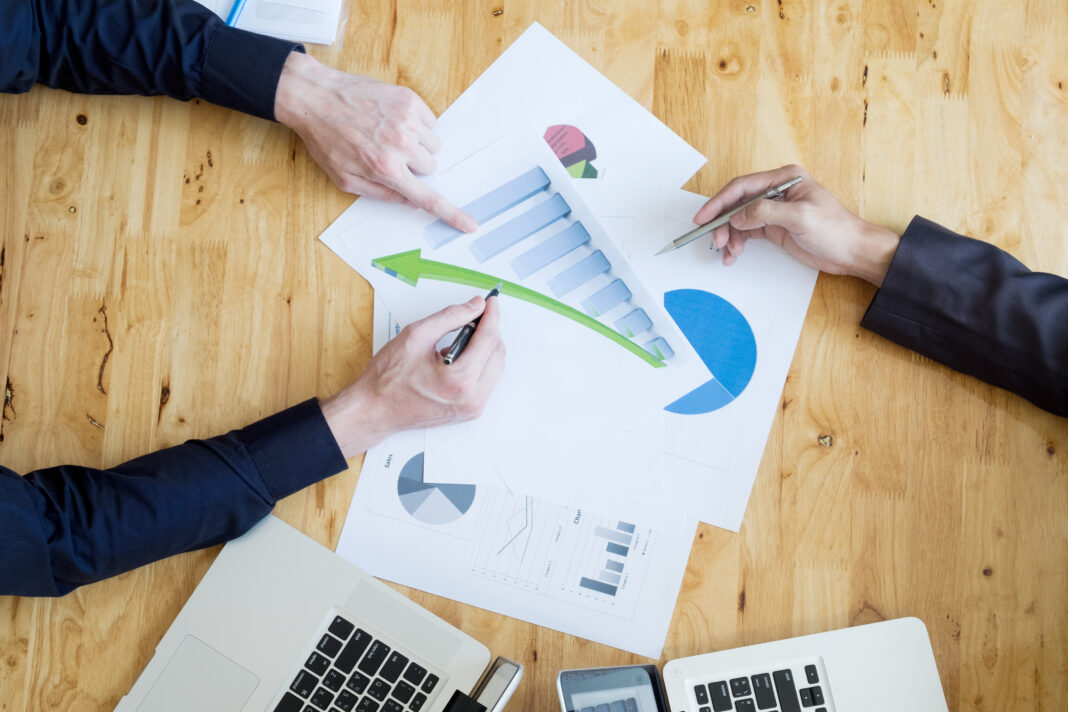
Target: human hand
369	137
407	385
809	223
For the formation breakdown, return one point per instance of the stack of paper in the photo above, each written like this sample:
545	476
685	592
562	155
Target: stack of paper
311	21
638	393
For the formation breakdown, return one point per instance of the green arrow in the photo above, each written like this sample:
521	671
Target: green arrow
410	266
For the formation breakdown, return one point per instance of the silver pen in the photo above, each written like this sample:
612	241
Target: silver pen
769	194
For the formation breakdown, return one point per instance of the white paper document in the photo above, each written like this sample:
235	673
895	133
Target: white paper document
313	21
604	569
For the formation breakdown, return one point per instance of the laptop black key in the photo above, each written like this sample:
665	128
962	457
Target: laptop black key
393	667
358	682
304	683
765	695
333	680
403	691
317	663
429	683
346	701
367	705
806	698
415	673
352	651
701	694
379	690
740	686
812	675
289	703
322	698
375	655
817	695
721	696
341	628
417	702
787	692
392	706
745	705
329	645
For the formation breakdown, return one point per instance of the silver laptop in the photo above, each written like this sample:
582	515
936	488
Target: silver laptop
875	668
282	624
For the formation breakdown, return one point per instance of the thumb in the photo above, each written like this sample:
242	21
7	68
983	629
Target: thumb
785	214
449	319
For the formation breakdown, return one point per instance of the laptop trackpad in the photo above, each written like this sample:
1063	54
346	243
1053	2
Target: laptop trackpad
198	677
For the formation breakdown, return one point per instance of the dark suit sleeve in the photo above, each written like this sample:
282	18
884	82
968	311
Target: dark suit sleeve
975	308
66	526
177	48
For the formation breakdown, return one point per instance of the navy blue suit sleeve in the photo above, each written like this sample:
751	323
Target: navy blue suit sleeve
174	47
63	527
975	308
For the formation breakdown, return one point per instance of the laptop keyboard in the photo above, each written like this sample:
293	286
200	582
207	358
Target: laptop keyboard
779	690
352	671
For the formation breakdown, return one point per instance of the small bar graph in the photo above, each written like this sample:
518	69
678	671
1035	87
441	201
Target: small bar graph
491	204
519	228
660	348
606	299
560	244
579	273
633	323
617	543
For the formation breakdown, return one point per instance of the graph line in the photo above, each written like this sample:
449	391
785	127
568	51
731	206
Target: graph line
409	267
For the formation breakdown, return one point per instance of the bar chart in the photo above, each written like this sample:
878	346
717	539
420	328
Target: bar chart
528	231
560	551
617	543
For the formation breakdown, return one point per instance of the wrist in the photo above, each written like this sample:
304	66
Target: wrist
293	85
354	421
877	247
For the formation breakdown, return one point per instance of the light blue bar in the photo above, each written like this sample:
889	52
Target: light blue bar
491	205
633	323
579	273
597	586
660	348
616	549
609	577
613	535
616	566
519	228
605	299
551	250
625	527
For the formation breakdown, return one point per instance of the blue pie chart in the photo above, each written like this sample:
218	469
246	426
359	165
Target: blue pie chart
723	340
432	503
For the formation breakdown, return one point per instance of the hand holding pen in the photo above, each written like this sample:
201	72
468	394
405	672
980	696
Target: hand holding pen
808	223
467	331
405	386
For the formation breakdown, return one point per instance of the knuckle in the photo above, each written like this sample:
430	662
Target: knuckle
378	161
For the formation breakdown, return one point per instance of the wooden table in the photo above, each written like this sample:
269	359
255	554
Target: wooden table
160	279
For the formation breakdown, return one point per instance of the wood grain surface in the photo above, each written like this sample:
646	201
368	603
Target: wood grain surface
160	279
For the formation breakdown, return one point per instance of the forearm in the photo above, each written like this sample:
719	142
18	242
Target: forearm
64	527
975	308
176	48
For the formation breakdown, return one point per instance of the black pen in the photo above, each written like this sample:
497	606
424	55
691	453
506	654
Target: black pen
468	329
